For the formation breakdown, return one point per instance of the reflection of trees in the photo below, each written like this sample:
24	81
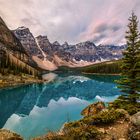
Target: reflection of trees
9	102
19	100
103	78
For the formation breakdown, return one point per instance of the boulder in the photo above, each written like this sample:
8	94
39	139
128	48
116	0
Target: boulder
126	115
134	127
135	119
93	109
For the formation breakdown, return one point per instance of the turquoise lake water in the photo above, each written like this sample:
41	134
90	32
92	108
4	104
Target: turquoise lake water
35	109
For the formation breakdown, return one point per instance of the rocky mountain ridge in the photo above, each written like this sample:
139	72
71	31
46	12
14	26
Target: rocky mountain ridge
50	56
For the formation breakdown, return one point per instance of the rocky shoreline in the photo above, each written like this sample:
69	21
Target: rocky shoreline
10	80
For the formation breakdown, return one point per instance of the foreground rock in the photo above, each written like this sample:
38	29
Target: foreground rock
135	119
134	127
93	109
8	135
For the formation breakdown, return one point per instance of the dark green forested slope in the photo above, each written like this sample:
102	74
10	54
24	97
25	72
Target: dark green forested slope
110	67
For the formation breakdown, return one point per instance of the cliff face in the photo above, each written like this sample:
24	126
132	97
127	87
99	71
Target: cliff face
28	41
12	51
9	39
45	45
85	51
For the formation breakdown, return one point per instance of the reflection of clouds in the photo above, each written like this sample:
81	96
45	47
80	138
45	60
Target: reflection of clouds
14	119
69	101
51	117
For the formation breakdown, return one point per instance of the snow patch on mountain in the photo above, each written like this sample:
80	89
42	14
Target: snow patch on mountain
43	53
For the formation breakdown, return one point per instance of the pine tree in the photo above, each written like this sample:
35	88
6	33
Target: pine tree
130	81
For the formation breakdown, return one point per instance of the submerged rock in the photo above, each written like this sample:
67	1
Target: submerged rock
93	109
8	135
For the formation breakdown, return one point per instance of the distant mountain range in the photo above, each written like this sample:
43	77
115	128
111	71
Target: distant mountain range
41	53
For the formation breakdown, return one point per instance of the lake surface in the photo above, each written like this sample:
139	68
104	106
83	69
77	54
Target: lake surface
35	109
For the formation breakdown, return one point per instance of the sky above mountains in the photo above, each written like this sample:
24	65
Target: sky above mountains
102	21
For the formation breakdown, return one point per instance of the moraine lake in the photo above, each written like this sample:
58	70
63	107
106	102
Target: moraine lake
35	109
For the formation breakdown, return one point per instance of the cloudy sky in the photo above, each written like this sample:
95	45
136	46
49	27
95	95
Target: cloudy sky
102	21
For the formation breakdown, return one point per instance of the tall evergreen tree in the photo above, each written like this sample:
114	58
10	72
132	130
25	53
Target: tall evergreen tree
130	81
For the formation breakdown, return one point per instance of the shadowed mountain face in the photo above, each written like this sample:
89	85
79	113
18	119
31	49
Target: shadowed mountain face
8	39
28	41
10	45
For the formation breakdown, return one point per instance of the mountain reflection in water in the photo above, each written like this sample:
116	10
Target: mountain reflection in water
34	109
